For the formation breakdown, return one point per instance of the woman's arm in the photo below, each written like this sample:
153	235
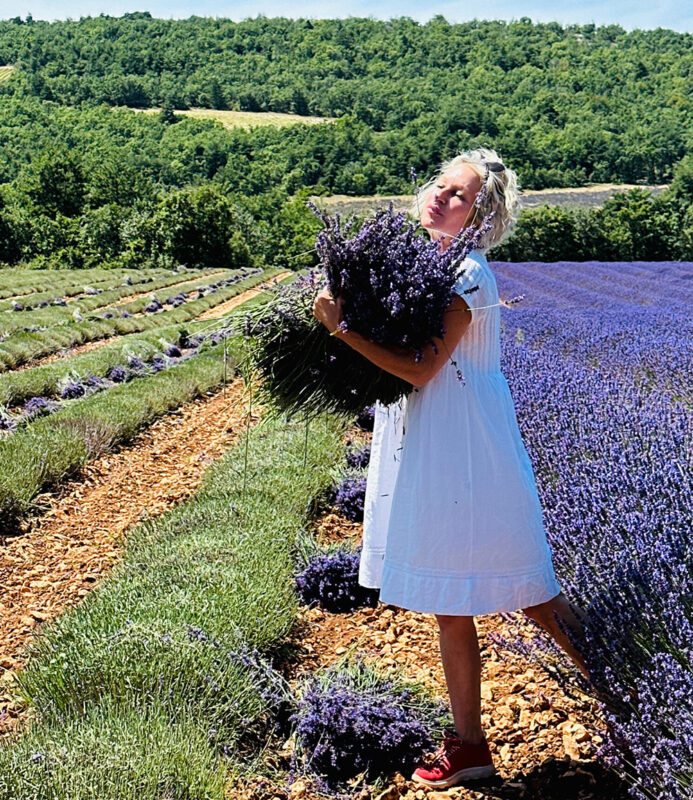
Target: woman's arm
398	361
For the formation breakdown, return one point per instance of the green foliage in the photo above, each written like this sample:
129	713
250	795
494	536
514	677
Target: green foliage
631	226
197	227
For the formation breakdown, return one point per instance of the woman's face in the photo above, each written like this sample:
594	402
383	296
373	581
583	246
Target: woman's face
449	204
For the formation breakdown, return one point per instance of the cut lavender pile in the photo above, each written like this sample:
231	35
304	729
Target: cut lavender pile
350	497
352	720
331	581
72	389
118	374
359	459
38	406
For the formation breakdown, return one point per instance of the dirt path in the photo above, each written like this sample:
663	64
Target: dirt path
71	351
220	310
73	545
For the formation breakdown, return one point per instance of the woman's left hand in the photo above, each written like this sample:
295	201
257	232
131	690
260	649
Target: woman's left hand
328	309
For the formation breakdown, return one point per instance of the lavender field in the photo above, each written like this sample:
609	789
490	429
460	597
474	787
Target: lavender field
600	364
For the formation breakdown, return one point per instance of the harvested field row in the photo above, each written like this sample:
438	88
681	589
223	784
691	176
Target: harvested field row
66	551
229	305
22	348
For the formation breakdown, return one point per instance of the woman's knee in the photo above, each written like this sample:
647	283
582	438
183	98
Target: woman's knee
454	622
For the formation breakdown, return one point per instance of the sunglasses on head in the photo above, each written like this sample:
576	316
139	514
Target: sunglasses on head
494	166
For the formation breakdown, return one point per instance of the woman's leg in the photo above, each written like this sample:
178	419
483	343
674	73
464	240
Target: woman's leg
570	615
459	650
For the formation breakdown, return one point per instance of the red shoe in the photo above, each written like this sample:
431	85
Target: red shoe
454	761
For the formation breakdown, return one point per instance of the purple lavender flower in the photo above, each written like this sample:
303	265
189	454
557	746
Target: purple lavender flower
39	406
359	459
353	721
158	363
396	286
118	374
126	314
350	497
155	305
59	301
365	418
331	581
95	382
136	364
16	306
72	390
172	351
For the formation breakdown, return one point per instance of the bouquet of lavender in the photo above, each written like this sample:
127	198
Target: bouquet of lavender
396	285
352	719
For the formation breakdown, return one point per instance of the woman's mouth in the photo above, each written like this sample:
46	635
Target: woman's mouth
434	210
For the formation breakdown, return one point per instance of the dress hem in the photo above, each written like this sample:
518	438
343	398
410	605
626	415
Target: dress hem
460	595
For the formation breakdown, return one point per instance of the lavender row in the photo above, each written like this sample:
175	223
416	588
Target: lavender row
74	387
613	459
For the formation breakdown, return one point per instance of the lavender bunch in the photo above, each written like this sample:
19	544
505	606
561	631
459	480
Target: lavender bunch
38	407
118	374
72	389
396	283
352	720
396	286
359	459
331	581
350	497
304	369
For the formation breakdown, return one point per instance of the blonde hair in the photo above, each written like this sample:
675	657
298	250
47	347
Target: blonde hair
502	194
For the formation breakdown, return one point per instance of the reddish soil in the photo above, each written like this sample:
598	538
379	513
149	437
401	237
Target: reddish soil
71	351
220	310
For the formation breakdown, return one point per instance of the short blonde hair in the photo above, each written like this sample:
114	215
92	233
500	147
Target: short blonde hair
502	194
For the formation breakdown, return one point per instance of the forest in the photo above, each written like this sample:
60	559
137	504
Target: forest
85	180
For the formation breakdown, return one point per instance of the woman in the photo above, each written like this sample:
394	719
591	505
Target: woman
453	524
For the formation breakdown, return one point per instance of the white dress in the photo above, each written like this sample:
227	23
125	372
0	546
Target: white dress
452	518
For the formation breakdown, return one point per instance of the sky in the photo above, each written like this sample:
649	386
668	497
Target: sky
629	14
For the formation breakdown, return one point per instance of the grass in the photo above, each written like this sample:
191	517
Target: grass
243	119
118	685
21	348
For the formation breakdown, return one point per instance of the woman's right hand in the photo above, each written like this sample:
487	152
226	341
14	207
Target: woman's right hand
328	309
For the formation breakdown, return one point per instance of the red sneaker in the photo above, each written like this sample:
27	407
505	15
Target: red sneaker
454	761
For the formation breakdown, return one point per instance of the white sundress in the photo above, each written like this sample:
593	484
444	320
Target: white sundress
452	518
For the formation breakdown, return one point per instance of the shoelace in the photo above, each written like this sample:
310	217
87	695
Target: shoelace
440	757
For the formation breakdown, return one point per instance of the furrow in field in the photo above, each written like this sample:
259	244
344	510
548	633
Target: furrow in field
73	351
220	310
73	545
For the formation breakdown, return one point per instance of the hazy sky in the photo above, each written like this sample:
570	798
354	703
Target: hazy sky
675	14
